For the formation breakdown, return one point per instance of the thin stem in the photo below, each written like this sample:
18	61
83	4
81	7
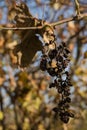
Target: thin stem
77	7
62	21
19	28
75	18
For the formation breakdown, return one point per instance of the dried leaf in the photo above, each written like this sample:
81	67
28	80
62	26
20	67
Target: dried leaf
30	43
27	50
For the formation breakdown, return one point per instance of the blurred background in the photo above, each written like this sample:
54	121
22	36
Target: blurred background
26	101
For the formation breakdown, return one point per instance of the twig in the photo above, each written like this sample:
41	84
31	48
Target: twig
62	21
77	7
19	28
75	18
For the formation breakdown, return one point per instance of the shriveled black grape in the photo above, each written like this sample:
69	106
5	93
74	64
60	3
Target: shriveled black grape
59	54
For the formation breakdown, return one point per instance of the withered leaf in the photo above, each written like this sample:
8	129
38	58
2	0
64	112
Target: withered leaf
28	49
30	43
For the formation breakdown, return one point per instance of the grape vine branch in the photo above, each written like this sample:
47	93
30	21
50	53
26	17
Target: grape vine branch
77	17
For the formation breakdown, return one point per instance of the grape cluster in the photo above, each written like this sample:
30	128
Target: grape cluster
55	60
63	88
